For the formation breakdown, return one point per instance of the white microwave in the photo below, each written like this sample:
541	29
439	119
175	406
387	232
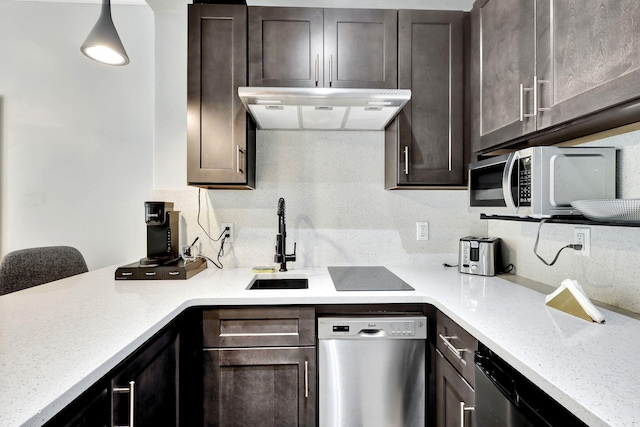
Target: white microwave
541	182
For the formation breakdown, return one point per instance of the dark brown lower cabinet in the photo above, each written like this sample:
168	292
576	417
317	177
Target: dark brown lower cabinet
158	385
150	383
259	367
454	396
260	387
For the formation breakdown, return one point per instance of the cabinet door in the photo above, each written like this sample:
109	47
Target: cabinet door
588	57
425	145
260	387
453	394
220	135
503	69
285	47
361	48
151	383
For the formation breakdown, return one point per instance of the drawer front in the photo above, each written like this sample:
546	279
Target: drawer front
457	346
150	273
259	327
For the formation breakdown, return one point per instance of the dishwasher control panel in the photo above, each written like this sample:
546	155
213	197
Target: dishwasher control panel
410	327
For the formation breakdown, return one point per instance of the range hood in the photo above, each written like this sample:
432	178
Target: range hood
277	108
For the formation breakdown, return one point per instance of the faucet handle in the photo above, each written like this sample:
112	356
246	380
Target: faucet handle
292	257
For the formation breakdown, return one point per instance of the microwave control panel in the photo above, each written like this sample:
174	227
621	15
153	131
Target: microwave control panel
524	181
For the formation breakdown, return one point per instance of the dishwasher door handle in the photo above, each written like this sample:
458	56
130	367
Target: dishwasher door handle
372	333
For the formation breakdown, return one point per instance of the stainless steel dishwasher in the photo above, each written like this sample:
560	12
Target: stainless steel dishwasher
371	371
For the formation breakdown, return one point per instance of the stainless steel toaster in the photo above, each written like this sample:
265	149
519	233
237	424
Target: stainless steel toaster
480	255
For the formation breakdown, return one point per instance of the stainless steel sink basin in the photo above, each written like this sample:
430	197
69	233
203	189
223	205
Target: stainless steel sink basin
279	283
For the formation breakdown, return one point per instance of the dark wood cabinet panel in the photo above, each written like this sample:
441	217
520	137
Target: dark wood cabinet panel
259	327
360	48
152	379
588	57
259	366
425	145
545	72
503	69
260	386
165	373
451	391
457	346
309	47
285	46
220	134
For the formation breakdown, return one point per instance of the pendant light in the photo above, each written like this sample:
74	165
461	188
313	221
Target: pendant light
103	43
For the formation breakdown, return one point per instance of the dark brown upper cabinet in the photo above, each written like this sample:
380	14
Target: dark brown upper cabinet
425	145
588	57
285	47
544	72
220	134
307	47
503	68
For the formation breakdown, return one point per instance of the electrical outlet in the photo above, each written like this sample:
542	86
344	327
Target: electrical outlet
422	230
582	236
229	233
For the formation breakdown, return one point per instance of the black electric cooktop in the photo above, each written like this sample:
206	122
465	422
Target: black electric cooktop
366	279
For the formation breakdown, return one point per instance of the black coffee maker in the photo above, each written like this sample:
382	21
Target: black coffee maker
162	234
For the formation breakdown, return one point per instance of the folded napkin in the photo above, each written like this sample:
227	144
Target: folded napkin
570	298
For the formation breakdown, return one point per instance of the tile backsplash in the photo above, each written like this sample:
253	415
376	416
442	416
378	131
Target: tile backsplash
337	210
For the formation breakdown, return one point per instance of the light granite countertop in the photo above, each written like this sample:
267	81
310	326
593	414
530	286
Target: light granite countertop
58	339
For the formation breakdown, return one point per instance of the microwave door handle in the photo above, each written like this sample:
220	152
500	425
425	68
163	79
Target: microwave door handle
506	182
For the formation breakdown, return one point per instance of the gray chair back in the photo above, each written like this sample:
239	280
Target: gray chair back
25	268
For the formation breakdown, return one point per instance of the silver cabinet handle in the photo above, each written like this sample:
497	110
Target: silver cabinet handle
456	351
239	152
150	273
330	70
535	99
464	408
132	399
406	160
317	68
538	107
306	378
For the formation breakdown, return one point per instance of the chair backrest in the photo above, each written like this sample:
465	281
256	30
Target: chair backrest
25	268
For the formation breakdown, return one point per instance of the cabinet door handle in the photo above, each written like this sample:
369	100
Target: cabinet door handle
538	107
330	70
535	99
306	379
464	408
317	68
456	351
406	160
132	399
239	152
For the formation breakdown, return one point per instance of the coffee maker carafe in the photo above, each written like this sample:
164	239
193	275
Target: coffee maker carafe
162	233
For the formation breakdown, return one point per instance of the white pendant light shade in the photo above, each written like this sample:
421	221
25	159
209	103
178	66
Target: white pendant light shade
103	43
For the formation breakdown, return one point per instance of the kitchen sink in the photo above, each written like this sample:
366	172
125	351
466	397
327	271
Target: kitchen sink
279	283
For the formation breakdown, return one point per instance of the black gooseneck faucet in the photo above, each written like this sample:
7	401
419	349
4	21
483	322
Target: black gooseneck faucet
281	240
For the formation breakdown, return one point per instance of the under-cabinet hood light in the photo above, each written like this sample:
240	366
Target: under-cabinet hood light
275	108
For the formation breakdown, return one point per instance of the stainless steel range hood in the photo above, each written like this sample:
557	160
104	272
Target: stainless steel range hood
322	108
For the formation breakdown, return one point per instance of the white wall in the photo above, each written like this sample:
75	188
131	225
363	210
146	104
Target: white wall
77	136
610	274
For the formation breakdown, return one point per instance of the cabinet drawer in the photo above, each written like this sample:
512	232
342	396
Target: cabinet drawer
457	346
259	327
